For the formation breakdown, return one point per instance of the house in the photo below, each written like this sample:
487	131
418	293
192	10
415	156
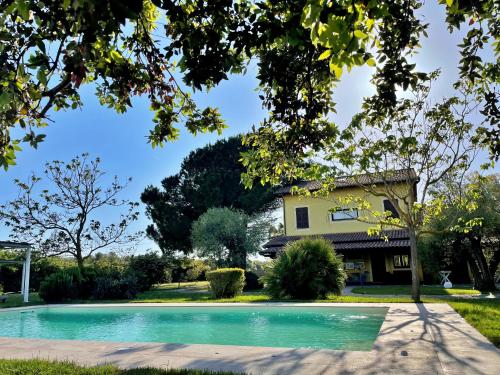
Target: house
374	259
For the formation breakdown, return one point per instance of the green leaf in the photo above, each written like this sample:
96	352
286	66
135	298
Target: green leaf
4	99
23	9
335	69
326	54
370	62
41	75
360	35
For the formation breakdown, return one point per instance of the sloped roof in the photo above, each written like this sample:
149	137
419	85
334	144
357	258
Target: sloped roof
396	238
401	175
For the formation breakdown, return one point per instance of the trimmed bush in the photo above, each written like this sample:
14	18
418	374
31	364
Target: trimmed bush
226	282
58	287
252	281
307	269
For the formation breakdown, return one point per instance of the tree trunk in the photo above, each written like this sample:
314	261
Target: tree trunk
483	279
494	262
79	259
415	277
239	258
459	260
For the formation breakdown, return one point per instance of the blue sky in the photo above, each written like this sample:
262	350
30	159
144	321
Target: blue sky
120	140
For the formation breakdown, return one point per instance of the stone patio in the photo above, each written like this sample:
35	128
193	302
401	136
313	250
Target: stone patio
414	339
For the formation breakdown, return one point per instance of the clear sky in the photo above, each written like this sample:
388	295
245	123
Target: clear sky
120	140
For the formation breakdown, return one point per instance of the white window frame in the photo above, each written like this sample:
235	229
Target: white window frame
400	268
330	215
308	217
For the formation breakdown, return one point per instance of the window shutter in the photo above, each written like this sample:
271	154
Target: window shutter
302	217
388	206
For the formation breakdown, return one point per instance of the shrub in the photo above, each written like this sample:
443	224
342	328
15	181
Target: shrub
252	281
1	288
258	267
58	287
196	270
108	287
307	269
149	269
226	282
43	267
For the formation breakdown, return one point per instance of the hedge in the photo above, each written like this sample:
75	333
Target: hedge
226	282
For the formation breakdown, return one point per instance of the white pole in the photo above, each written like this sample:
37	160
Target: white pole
27	263
23	277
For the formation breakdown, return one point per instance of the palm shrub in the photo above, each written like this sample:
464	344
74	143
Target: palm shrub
307	269
226	282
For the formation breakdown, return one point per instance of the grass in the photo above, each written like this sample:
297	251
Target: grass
483	315
189	285
40	367
429	290
16	300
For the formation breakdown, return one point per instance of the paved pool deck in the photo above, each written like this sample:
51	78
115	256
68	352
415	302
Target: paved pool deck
414	339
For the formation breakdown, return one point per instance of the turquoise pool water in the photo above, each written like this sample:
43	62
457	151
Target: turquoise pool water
346	328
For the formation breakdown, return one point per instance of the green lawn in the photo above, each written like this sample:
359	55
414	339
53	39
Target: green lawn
429	290
39	367
190	285
484	315
16	300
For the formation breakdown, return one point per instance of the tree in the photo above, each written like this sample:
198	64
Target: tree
302	47
227	237
50	48
423	142
386	156
63	218
480	244
209	177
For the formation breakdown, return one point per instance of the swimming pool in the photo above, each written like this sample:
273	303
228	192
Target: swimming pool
311	327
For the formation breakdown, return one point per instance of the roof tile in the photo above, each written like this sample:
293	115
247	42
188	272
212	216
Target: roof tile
401	175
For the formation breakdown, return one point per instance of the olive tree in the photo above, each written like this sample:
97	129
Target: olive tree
227	236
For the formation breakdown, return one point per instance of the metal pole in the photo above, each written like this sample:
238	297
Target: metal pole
23	279
27	263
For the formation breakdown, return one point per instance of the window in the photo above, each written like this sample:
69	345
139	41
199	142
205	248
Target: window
344	214
388	206
401	261
302	217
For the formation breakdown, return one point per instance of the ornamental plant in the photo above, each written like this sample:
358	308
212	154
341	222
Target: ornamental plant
307	269
226	282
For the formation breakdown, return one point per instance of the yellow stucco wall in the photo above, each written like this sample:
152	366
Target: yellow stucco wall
319	211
